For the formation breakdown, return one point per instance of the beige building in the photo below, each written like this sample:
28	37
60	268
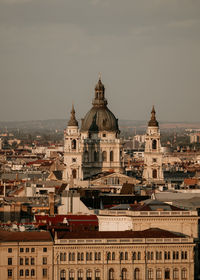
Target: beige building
185	222
26	255
151	254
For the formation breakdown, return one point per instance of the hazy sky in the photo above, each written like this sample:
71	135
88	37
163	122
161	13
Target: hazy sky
51	52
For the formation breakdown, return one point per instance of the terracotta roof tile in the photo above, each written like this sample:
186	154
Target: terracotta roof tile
6	236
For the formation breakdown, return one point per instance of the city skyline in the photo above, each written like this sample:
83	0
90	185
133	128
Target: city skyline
51	53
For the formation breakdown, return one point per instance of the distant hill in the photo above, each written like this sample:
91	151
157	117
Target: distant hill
60	124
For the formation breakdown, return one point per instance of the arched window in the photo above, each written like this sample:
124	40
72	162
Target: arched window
154	144
136	274
70	256
104	156
64	257
74	173
61	256
134	256
82	256
71	275
158	274
86	156
27	272
63	275
99	256
175	274
97	274
32	272
113	256
96	156
150	273
183	274
80	275
111	274
89	275
124	273
126	255
154	173
108	256
78	256
73	144
139	255
151	255
111	155
167	274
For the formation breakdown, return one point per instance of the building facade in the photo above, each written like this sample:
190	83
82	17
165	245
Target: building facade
96	146
151	254
26	255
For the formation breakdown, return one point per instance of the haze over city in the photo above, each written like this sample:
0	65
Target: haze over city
51	53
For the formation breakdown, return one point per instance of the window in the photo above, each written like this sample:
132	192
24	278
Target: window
21	261
79	256
121	256
32	272
113	256
183	274
26	261
88	275
26	272
44	272
158	255
44	249
97	274
133	256
167	255
80	275
175	255
111	155
104	135
10	273
73	159
175	274
184	255
9	261
32	250
158	274
104	156
124	273
154	144
154	173
108	256
44	260
139	255
150	273
154	160
73	144
21	250
32	261
111	274
167	273
27	250
71	275
9	250
82	256
74	173
21	272
96	156
136	274
126	256
63	275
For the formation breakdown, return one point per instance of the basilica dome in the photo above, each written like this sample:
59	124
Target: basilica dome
99	118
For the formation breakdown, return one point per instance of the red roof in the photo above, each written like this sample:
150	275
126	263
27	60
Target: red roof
149	233
10	236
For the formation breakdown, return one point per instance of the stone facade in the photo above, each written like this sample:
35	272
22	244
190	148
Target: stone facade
26	259
124	258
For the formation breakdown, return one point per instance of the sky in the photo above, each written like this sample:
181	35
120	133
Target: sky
147	51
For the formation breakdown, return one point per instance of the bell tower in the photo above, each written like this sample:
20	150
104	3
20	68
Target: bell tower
72	149
153	172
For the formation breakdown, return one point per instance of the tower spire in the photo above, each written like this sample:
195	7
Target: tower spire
73	121
153	121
